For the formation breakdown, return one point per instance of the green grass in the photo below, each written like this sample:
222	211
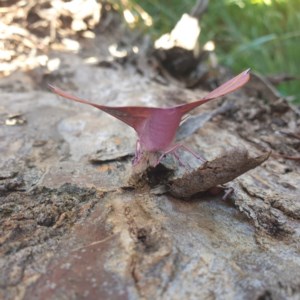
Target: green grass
263	37
247	33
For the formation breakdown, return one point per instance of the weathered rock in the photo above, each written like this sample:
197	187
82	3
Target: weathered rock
221	170
74	229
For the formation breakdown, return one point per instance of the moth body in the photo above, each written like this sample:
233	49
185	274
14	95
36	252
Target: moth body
160	130
156	127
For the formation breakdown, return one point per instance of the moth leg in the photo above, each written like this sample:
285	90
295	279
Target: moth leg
159	159
175	154
228	192
173	150
190	151
138	153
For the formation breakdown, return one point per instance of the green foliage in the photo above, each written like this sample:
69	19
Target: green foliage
261	34
254	34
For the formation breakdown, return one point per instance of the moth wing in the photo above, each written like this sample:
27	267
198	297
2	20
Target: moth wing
134	116
229	86
226	88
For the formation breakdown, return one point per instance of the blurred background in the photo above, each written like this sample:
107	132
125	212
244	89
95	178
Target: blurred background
263	35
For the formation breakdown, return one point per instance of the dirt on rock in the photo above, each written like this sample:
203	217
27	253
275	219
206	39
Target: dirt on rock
71	225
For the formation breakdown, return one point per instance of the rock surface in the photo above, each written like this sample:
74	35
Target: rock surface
71	228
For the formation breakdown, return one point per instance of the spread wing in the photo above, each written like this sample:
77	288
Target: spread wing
226	88
134	116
